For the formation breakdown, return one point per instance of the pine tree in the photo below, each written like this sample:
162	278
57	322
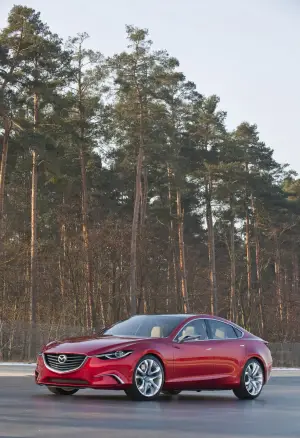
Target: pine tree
85	92
41	68
208	135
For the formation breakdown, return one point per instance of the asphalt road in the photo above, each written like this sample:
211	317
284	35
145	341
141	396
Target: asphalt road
27	410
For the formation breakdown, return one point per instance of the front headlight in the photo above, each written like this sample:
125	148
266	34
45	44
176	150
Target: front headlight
114	355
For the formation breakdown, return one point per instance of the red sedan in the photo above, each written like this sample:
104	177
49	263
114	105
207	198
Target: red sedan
151	354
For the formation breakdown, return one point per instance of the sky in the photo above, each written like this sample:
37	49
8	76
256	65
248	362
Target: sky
245	51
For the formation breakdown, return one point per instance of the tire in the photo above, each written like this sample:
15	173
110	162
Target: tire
172	392
252	381
147	380
62	391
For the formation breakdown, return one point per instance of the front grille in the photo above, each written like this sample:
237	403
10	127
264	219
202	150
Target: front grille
72	362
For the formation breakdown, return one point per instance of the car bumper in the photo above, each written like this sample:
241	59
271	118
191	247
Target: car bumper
268	372
94	373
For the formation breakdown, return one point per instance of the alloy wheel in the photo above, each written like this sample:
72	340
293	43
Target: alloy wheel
254	378
149	377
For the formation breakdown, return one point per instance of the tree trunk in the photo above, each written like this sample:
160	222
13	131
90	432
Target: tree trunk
62	255
287	298
259	282
232	269
33	244
134	232
62	269
248	257
258	269
144	198
171	273
278	279
90	309
211	250
295	285
247	246
136	213
142	248
182	267
7	129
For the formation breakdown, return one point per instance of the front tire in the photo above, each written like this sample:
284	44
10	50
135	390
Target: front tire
62	391
252	381
148	379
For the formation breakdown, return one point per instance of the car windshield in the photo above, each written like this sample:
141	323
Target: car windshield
146	326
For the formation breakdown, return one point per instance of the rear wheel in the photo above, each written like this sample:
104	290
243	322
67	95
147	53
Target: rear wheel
62	391
148	379
252	381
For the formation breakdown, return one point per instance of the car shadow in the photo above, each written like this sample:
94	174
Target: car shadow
213	400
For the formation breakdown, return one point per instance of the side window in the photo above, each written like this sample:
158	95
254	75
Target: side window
196	327
238	332
220	330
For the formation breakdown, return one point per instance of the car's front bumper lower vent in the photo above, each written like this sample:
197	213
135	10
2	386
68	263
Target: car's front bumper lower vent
64	363
69	382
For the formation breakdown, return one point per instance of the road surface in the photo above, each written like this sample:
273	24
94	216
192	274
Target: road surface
27	410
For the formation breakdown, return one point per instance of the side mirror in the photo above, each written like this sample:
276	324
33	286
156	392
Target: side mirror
189	338
102	330
185	338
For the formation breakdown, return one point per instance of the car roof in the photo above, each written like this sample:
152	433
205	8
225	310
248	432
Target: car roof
169	315
184	315
190	316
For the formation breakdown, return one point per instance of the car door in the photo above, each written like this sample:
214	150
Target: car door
193	360
228	350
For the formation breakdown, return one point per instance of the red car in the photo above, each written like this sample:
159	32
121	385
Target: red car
151	354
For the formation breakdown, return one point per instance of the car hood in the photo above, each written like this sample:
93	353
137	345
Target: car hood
90	346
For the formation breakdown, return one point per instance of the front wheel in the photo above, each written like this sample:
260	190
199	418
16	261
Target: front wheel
252	381
62	391
148	379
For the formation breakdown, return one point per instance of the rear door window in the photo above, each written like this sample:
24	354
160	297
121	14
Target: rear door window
221	330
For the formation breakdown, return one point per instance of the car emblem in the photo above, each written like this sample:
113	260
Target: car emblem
62	358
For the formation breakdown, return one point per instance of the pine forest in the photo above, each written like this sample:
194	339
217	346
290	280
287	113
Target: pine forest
123	191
